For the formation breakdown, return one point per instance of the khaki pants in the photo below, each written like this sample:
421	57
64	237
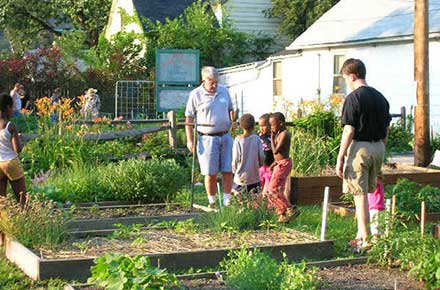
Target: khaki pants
362	166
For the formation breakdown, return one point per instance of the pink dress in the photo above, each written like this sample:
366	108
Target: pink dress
376	199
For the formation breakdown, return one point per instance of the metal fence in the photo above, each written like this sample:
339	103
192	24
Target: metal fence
135	99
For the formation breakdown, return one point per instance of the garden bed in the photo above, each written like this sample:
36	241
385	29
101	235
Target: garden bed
350	277
167	248
105	217
309	190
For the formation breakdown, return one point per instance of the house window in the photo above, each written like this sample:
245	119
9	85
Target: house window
277	79
338	81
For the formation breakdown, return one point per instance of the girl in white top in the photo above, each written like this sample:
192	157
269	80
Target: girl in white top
10	146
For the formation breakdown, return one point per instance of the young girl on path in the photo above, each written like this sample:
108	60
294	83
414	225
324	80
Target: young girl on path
265	137
280	141
247	157
10	147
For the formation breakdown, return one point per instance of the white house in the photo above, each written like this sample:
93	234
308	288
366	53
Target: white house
380	32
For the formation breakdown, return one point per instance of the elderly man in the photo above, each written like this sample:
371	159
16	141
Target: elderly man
365	117
210	104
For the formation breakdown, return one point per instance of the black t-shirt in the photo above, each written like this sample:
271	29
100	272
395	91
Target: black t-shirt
267	149
367	110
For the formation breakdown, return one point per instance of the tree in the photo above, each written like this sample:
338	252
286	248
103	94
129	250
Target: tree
31	22
298	15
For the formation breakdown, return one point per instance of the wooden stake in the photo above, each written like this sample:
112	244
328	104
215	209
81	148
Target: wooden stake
422	219
422	152
172	135
393	205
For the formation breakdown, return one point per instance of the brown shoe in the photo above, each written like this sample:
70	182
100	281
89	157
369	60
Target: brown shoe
212	205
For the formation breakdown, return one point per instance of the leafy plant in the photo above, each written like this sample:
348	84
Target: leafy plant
126	231
253	269
250	218
187	226
399	139
122	272
429	271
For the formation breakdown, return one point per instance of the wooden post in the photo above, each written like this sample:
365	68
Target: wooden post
324	212
403	117
422	152
422	219
172	135
393	205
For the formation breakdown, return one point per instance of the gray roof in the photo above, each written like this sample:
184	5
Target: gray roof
351	21
161	9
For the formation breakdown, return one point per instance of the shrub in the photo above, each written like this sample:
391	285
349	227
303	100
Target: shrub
122	272
429	271
399	139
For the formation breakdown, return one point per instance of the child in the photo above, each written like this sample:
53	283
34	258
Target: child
376	203
10	147
265	137
280	141
247	157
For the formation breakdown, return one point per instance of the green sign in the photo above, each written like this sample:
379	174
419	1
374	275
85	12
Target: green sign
177	66
172	98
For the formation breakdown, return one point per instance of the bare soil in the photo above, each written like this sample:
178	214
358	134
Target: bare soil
168	240
159	210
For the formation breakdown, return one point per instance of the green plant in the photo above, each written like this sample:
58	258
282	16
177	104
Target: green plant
187	227
399	139
312	154
429	271
122	272
298	277
126	231
251	269
39	225
152	181
250	218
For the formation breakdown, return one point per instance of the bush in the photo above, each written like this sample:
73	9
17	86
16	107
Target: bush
399	139
155	180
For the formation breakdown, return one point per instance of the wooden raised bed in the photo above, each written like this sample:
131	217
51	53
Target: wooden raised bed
142	214
39	268
309	190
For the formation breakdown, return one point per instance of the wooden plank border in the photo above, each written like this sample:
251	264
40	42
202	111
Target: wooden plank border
79	269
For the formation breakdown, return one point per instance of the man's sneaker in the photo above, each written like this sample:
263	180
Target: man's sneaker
212	205
359	246
227	202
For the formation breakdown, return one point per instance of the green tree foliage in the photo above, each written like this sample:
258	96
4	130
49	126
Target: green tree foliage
298	15
31	22
197	28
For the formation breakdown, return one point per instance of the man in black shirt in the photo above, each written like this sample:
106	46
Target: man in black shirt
365	118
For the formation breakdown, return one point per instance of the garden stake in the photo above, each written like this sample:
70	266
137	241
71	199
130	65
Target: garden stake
393	206
387	219
422	219
219	196
324	212
193	167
